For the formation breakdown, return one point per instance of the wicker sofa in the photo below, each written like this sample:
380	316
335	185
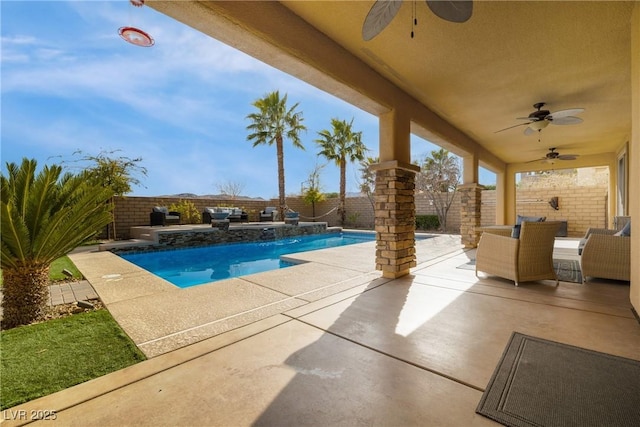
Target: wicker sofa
605	255
232	214
523	259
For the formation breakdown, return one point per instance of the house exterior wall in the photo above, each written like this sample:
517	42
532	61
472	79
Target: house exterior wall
634	157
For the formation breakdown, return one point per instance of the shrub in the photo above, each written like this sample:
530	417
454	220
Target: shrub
427	222
352	219
189	214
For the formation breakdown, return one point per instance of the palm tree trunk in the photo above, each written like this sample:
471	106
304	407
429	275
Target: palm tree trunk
112	235
25	294
281	193
343	190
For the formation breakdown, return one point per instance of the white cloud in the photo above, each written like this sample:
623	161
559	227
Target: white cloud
180	105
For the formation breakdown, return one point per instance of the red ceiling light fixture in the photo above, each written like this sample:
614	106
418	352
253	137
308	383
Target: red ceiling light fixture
135	35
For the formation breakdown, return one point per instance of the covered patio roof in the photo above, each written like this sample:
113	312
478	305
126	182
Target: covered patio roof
458	84
472	79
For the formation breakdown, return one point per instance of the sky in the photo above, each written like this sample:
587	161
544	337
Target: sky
69	83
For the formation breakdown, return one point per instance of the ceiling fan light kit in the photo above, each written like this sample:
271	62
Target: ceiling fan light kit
539	125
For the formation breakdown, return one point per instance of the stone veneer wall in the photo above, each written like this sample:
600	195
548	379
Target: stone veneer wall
582	207
395	221
191	238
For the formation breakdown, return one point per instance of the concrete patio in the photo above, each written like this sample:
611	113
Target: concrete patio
329	342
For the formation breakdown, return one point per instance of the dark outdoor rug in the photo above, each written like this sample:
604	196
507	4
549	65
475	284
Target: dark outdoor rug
567	270
545	383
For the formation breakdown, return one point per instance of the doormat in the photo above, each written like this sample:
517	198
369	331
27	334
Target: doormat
544	384
567	270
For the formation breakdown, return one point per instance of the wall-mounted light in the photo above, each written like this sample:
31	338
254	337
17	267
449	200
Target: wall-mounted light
553	202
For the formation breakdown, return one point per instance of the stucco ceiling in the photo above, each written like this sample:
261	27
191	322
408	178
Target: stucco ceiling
480	75
483	74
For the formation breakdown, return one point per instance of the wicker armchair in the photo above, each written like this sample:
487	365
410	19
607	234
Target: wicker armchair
605	255
160	215
528	258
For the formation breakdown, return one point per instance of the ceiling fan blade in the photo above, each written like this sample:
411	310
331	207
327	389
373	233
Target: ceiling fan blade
564	113
514	126
568	156
452	10
537	160
568	120
380	15
529	131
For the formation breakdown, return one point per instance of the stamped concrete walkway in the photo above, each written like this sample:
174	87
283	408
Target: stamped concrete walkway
70	292
329	342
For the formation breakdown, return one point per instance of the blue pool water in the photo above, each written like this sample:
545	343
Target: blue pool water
195	266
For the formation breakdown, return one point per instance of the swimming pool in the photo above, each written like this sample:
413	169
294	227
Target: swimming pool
195	266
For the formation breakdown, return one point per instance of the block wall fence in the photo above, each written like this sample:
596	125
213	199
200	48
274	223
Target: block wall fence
581	207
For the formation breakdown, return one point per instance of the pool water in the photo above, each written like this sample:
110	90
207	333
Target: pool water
195	266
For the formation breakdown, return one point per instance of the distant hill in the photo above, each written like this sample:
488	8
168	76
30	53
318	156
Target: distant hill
209	196
226	197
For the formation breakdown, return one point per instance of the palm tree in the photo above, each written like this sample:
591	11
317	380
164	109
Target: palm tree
274	122
341	144
44	216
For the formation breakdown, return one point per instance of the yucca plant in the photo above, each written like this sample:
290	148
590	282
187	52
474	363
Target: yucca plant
44	216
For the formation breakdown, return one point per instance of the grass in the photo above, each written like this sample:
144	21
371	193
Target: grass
63	263
43	358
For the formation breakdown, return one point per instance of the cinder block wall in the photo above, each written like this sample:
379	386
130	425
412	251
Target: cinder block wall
425	207
581	207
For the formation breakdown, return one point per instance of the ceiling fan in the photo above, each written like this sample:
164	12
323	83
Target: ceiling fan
553	155
383	11
540	119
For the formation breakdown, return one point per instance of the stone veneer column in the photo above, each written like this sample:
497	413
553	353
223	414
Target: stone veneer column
395	219
470	214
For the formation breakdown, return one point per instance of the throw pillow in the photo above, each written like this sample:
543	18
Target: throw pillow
515	232
520	219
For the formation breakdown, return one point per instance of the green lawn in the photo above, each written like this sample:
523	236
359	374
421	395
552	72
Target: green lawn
55	271
43	358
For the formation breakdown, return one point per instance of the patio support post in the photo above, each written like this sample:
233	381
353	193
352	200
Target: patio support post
509	198
470	202
395	219
395	208
470	214
501	185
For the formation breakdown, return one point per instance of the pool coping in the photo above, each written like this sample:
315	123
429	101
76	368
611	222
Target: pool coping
161	317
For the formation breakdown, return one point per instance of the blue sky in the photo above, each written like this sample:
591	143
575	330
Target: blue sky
69	82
